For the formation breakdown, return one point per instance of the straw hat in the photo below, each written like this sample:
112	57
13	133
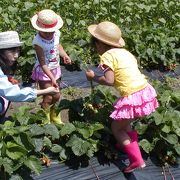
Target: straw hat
9	39
46	21
107	32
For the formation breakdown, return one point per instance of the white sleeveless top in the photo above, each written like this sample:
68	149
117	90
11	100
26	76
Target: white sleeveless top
50	48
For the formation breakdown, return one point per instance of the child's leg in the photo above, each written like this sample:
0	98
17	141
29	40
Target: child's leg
121	131
47	99
55	116
132	135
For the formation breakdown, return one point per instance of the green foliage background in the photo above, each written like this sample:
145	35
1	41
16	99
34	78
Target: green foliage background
150	27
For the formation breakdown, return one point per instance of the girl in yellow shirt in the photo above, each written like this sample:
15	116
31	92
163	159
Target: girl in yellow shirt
138	97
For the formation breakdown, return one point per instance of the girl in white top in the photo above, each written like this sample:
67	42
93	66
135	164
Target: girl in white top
47	70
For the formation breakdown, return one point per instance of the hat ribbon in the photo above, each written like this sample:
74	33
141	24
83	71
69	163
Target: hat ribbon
47	25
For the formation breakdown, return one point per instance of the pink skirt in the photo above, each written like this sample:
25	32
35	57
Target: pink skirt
136	105
38	74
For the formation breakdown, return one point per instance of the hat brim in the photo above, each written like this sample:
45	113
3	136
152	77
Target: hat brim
11	45
35	26
92	28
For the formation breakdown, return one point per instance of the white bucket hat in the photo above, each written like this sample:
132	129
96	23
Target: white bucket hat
9	39
46	21
107	32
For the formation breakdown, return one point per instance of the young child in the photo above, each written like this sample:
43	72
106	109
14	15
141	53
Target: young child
48	50
10	91
138	97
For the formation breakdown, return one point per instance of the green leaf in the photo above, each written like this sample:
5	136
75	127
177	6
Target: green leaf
16	177
56	148
76	6
36	130
47	142
62	155
149	51
34	164
158	118
51	129
28	5
38	144
177	148
12	9
166	129
146	145
8	124
15	151
162	20
67	129
7	164
97	126
177	131
86	133
69	21
172	138
78	146
141	128
22	115
24	140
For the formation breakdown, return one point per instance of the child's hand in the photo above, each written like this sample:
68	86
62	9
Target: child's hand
90	75
67	59
54	83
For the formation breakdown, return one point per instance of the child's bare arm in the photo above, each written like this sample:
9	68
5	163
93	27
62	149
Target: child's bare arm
63	54
107	79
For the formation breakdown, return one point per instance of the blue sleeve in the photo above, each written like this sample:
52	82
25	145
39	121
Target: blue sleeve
13	92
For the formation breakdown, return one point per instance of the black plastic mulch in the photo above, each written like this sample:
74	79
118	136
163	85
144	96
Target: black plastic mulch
78	79
111	171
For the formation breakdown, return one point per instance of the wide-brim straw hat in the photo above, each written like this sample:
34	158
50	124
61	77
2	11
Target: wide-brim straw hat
107	32
46	21
9	39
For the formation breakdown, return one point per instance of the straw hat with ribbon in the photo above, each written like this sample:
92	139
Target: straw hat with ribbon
107	32
9	39
46	21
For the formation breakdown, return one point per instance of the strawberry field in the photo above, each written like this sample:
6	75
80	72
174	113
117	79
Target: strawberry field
150	29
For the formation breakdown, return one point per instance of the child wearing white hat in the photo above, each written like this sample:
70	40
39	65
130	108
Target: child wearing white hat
48	51
137	96
10	91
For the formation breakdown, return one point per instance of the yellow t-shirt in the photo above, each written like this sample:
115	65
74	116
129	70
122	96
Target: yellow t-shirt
128	78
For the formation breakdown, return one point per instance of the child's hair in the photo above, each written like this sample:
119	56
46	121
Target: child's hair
93	42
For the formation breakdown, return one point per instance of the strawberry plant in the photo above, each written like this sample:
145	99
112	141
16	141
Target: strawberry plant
26	143
95	108
160	132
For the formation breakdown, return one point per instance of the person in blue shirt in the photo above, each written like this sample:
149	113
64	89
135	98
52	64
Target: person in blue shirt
9	89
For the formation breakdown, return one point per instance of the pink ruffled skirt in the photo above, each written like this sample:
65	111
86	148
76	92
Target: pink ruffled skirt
38	74
136	105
